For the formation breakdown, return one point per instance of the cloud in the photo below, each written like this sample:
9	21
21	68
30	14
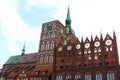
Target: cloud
13	27
40	4
88	16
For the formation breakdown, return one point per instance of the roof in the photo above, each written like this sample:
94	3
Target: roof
13	74
27	58
40	69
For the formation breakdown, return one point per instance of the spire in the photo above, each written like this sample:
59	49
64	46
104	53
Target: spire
23	50
101	37
91	37
68	22
82	39
114	35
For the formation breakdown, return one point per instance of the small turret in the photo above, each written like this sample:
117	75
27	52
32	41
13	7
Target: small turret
23	50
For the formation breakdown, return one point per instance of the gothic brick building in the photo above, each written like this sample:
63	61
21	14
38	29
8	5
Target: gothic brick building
62	56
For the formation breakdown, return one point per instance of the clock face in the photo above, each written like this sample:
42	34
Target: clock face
69	48
108	42
60	49
97	43
78	46
87	45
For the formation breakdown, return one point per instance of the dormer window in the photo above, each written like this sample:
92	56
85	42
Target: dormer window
36	72
44	72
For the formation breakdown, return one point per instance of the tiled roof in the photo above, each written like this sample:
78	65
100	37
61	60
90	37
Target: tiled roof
40	69
27	58
20	68
13	74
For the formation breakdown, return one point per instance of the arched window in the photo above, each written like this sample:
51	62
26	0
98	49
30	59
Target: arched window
99	50
77	76
52	45
46	59
41	59
110	76
96	57
68	77
59	77
47	45
95	50
45	28
43	36
51	59
106	48
87	76
89	51
85	52
42	46
111	48
98	76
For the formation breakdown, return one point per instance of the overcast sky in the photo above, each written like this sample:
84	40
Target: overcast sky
21	21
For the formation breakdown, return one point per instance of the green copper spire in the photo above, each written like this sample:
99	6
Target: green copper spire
23	50
68	22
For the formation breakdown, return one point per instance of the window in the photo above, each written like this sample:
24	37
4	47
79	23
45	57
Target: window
77	77
46	59
41	59
51	59
42	47
87	76
52	45
106	49
89	51
96	57
95	51
45	28
36	72
85	52
61	67
110	76
68	77
99	50
79	53
44	72
47	45
58	77
89	57
99	76
111	49
43	36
